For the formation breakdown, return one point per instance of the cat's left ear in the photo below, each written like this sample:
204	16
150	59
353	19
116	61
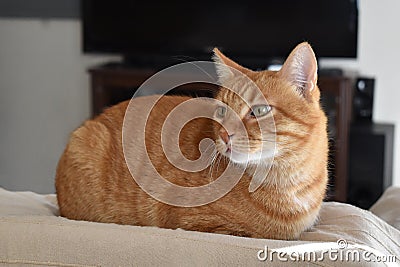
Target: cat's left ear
223	66
300	69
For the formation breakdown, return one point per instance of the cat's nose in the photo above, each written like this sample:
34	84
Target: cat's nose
225	136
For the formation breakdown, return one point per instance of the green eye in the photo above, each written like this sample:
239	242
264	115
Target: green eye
220	112
259	111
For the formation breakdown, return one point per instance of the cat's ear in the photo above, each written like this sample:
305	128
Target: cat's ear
223	66
300	68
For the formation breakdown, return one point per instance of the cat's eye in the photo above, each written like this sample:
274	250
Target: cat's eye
220	112
260	110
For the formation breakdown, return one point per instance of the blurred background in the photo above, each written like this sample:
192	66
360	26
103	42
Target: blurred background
48	46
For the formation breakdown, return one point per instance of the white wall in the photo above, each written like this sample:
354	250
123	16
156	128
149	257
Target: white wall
44	95
44	88
379	57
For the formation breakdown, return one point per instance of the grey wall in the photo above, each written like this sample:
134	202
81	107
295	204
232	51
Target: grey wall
44	95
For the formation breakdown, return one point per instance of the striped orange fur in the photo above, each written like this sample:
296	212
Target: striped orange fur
93	182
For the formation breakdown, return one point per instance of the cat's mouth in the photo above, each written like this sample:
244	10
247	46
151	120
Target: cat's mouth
237	156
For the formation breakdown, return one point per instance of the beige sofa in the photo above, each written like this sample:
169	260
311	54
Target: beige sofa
32	233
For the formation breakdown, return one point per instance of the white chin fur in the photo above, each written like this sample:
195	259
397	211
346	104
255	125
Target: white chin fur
246	158
237	157
243	158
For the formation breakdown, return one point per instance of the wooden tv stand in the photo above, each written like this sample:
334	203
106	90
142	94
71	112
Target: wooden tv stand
113	84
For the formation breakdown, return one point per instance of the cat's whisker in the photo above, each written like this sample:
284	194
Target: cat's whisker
212	145
218	162
211	157
203	70
253	141
297	132
210	173
216	159
226	160
269	140
211	166
245	143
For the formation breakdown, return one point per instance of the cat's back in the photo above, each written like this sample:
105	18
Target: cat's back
92	179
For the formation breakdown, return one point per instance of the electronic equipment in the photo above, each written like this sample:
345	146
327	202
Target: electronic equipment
252	32
363	100
370	162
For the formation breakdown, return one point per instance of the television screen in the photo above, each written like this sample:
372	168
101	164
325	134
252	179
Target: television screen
247	29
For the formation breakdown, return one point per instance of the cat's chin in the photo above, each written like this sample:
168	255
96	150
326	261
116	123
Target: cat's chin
246	158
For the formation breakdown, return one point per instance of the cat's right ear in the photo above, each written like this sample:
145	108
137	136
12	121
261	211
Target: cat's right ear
300	69
223	65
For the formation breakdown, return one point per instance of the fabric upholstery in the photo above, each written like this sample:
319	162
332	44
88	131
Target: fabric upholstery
32	233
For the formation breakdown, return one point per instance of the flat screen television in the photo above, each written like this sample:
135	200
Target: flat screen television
254	31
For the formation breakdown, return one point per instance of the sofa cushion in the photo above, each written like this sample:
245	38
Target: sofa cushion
32	233
388	207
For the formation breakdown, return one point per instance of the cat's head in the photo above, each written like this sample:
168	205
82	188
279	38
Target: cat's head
263	114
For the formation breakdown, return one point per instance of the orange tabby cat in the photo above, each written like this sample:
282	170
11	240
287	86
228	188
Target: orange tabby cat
93	181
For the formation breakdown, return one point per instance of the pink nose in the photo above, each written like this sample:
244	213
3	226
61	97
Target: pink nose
225	136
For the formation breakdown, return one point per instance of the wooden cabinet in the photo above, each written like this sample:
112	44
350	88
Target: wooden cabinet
336	98
111	84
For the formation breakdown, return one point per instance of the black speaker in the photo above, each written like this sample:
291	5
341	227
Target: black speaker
363	99
370	162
